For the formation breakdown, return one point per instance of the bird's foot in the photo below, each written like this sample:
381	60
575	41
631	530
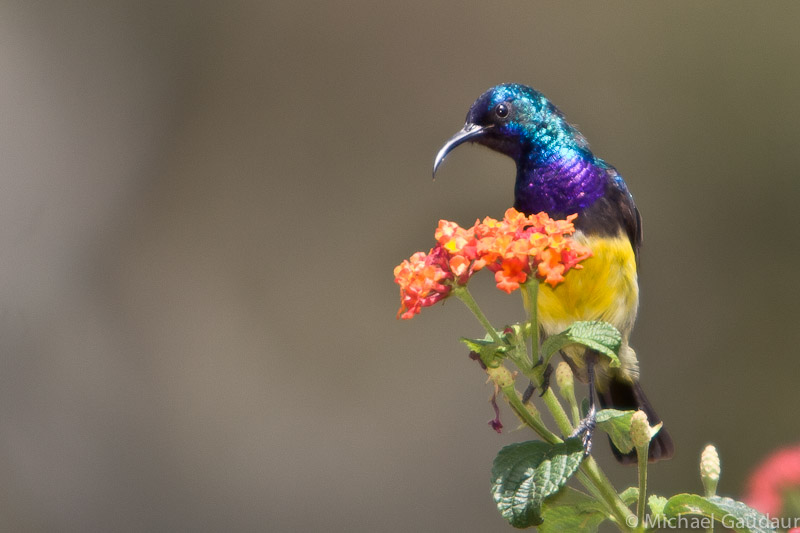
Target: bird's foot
526	396
546	379
585	430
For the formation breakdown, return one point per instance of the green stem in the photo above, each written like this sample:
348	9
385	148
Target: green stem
531	303
642	453
573	406
599	483
589	485
591	476
622	515
559	415
534	422
463	294
530	299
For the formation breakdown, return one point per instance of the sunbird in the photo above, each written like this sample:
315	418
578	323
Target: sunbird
557	173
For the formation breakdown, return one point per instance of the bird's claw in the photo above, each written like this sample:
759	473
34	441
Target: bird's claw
586	431
546	379
526	396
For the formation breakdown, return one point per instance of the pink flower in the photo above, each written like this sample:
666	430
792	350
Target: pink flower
779	473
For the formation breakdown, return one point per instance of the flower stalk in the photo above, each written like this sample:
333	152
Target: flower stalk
566	387
598	480
530	478
593	477
530	299
522	251
463	294
640	436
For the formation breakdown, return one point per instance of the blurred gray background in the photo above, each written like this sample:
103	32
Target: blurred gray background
202	203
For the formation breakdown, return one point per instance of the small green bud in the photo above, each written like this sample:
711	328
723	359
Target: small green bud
710	469
501	376
565	379
640	430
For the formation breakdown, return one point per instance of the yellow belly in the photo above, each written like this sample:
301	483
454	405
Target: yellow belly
606	288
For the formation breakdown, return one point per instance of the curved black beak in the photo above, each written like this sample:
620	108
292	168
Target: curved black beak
467	134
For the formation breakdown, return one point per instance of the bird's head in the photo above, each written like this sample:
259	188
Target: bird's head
514	120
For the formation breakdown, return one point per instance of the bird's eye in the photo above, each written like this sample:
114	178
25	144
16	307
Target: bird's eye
501	110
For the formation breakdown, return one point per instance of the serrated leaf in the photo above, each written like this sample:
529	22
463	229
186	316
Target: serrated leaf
571	510
512	345
618	426
481	345
730	513
656	504
629	495
526	473
596	335
486	348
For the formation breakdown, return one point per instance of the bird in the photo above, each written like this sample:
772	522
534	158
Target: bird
558	173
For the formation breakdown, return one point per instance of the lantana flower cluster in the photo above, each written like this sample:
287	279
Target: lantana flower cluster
773	480
515	248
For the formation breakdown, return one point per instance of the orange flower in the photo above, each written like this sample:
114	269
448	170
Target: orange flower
551	268
455	239
510	274
514	248
423	281
520	245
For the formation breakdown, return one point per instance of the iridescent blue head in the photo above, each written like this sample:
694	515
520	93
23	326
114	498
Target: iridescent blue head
556	171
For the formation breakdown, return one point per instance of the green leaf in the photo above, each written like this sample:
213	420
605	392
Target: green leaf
483	345
618	426
525	473
487	349
629	495
791	501
730	513
512	346
656	504
571	510
596	335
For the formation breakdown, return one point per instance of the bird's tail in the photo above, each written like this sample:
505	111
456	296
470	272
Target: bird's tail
625	396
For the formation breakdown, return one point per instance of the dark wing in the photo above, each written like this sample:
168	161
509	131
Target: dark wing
636	234
613	212
631	218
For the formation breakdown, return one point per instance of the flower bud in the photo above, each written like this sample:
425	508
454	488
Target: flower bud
501	376
640	430
710	469
565	380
